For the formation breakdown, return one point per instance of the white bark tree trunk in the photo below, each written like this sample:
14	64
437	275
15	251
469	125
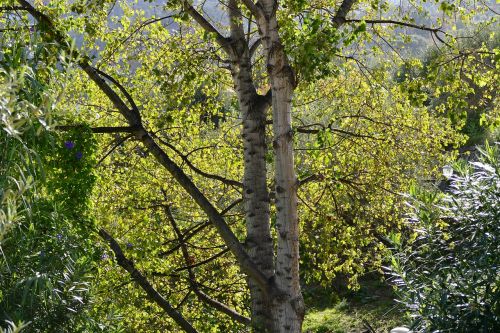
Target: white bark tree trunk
288	310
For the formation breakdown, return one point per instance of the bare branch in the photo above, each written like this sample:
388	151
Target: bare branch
198	228
192	277
489	8
311	178
198	171
340	16
207	26
406	24
11	8
306	130
117	144
104	129
200	263
255	46
121	88
12	29
141	280
141	26
434	31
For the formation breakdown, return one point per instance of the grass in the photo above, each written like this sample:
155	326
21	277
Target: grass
371	307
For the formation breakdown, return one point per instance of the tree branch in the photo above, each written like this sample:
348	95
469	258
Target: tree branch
311	178
255	46
340	16
235	21
198	171
435	31
152	293
10	8
116	145
121	88
141	25
306	130
103	129
207	26
194	231
192	277
253	8
200	263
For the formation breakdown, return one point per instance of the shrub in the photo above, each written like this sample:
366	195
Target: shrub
446	272
47	252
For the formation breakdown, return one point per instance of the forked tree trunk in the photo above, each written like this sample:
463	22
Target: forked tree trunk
276	300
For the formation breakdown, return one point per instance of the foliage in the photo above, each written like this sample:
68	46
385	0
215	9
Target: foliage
362	137
343	318
366	158
460	82
46	280
365	161
45	241
372	305
447	272
13	328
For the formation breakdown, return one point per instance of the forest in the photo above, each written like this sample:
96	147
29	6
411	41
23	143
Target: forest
265	166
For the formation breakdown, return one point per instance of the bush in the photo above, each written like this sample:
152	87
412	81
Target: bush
446	272
47	251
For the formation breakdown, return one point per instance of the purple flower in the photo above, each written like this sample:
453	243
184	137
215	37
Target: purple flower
104	256
69	144
59	236
79	155
129	245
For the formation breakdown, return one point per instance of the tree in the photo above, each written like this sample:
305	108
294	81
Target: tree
293	51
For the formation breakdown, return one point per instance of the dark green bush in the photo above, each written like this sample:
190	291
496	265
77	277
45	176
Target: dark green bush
447	271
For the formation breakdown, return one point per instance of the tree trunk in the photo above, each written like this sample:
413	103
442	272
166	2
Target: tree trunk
258	242
288	311
253	110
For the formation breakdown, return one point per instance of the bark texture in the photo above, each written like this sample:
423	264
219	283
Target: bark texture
288	310
283	313
253	110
